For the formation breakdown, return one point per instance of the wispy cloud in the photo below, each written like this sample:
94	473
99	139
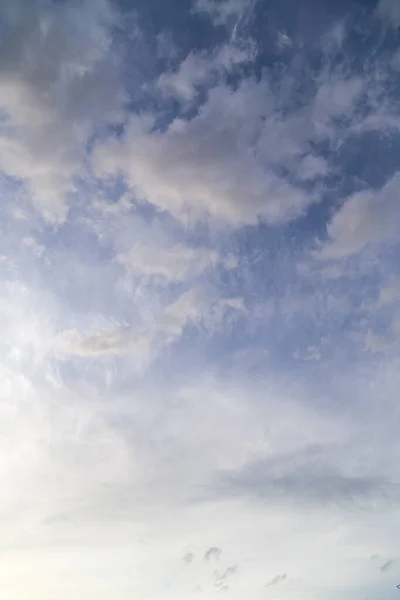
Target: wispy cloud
277	579
386	566
212	553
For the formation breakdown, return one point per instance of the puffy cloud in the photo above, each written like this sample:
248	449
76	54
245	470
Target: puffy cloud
244	154
208	165
312	166
58	76
366	217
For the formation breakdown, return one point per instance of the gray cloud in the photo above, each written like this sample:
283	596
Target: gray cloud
389	10
188	558
307	476
276	580
386	566
213	553
221	579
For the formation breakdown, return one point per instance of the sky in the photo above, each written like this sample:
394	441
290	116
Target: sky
199	299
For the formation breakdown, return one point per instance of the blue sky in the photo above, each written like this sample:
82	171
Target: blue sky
199	299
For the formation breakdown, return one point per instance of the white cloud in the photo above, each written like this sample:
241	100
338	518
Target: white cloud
228	160
366	217
283	40
26	318
337	96
380	342
390	294
119	472
140	469
176	263
32	244
196	306
208	165
200	68
114	209
114	340
312	166
58	76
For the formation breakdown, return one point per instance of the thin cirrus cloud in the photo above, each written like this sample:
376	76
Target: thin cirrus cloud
192	307
199	299
221	12
172	264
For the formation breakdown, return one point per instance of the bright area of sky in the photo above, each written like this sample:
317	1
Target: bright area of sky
199	299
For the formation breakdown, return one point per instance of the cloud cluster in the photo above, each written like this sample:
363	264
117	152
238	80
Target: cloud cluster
58	81
223	162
